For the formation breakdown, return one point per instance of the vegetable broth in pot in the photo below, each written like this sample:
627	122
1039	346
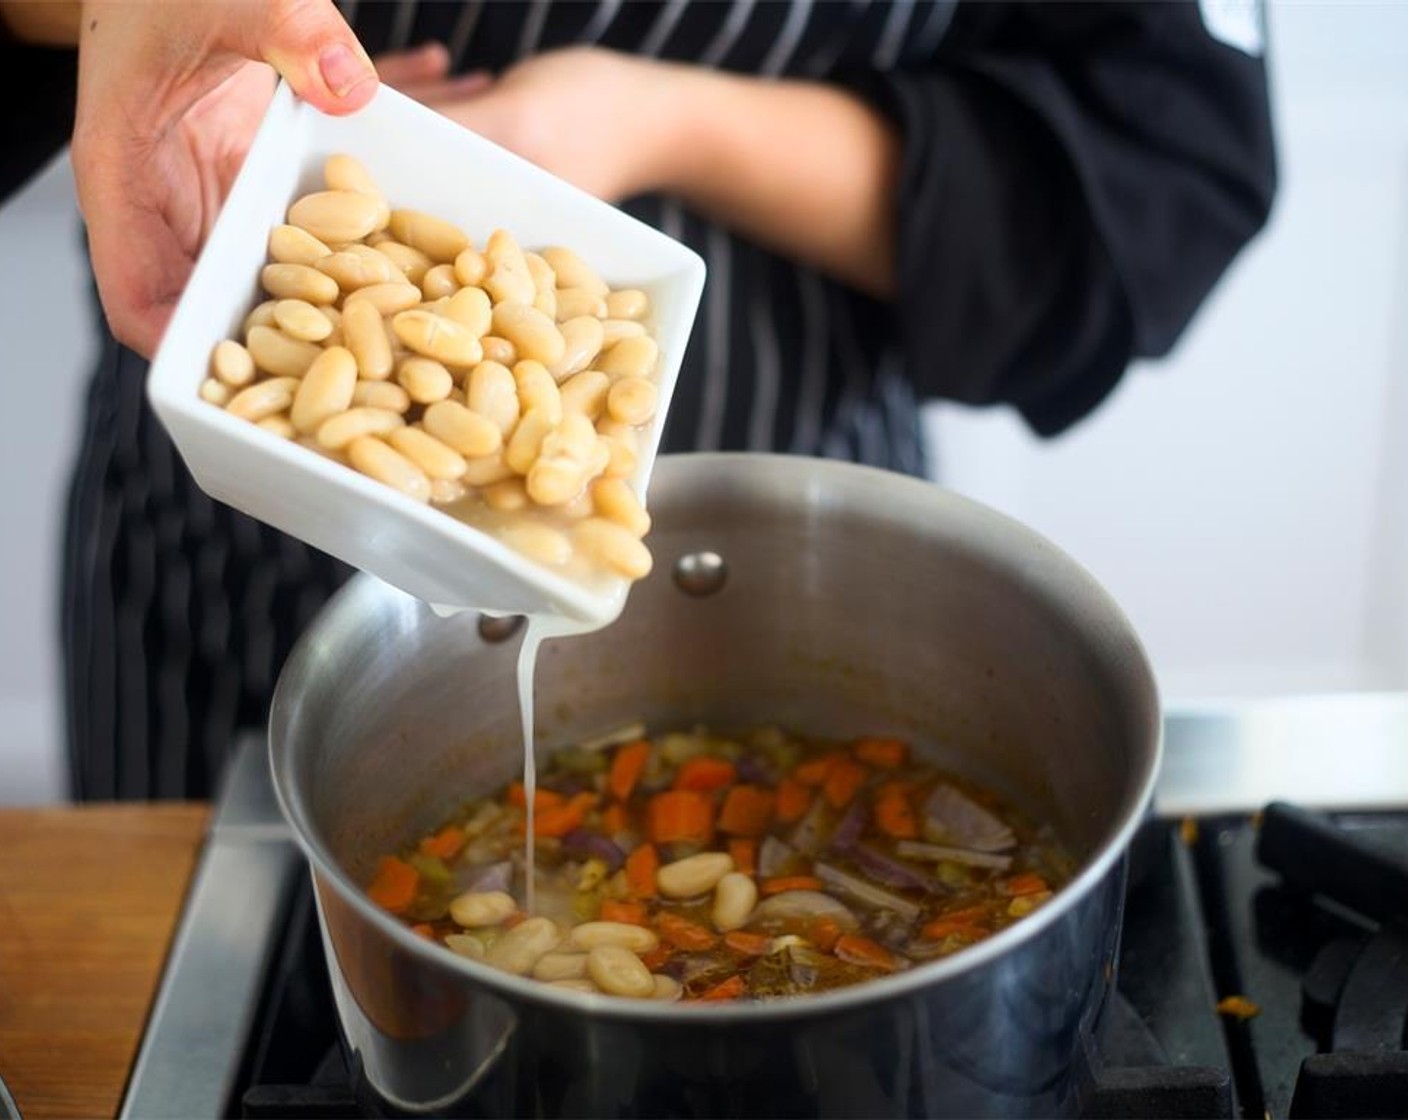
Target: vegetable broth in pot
856	603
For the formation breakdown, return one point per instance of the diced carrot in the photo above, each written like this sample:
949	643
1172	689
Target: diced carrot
632	913
861	950
641	866
542	798
748	944
732	988
655	959
745	855
681	815
824	933
940	928
614	819
562	819
968	915
747	811
705	773
424	929
684	934
815	771
780	883
395	884
895	816
793	800
627	765
445	844
1026	883
885	754
844	782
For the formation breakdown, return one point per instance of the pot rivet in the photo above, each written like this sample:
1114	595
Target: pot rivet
499	629
700	573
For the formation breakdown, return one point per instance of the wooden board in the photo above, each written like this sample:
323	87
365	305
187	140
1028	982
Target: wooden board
89	899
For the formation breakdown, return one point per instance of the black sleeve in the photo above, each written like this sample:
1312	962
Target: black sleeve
38	86
1075	180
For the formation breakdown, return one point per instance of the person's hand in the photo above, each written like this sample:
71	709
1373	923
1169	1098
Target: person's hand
608	122
169	96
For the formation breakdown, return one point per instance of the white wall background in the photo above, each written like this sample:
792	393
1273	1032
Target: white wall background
1246	501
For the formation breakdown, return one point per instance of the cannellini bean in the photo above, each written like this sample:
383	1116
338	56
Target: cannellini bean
533	334
471	307
618	330
232	364
508	496
471	268
379	460
338	431
261	316
526	442
443	491
611	546
277	426
734	899
334	318
499	350
585	393
463	429
336	216
575	302
693	875
631	357
574	438
387	298
425	380
486	469
216	392
621	457
539	542
299	319
637	939
573	272
583	985
667	988
466	945
546	302
616	501
508	280
581	339
381	394
438	337
298	281
412	263
629	303
493	393
438	460
544	279
477	909
263	398
326	389
351	270
537	390
436	238
291	245
518	950
276	353
561	966
632	400
365	334
619	972
343	173
439	282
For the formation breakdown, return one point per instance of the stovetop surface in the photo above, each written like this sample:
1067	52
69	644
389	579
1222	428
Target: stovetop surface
1204	921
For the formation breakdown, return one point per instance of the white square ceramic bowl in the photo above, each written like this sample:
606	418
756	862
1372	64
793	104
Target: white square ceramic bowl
421	161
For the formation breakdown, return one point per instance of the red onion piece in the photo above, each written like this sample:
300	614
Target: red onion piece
893	873
950	817
851	826
865	892
581	843
494	877
773	856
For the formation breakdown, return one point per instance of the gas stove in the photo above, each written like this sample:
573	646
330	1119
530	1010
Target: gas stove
1264	964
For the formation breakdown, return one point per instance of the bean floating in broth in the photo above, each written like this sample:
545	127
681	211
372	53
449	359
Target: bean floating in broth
706	868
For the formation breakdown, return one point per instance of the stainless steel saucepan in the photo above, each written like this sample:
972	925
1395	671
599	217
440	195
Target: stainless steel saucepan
852	601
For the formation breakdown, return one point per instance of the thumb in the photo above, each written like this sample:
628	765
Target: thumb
310	44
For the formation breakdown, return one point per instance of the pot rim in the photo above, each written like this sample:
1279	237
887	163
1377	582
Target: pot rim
971	958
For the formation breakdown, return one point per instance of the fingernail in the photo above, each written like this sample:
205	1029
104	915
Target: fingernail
342	69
